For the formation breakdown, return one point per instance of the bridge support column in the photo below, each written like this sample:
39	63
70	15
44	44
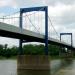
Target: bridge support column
33	65
20	47
66	53
69	54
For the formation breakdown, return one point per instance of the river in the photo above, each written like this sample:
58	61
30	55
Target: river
58	67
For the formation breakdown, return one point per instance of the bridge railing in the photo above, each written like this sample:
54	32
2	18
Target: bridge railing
33	21
11	19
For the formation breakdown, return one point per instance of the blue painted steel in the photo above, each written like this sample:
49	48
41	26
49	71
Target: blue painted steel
20	20
45	9
67	34
24	10
71	41
60	37
20	47
20	41
46	30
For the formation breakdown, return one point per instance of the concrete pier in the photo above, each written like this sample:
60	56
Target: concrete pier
67	55
33	64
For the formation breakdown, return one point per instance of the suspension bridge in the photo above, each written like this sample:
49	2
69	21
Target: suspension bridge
30	25
34	25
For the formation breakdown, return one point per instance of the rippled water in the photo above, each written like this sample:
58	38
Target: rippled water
8	67
58	67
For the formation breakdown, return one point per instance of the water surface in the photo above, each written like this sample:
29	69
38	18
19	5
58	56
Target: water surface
58	67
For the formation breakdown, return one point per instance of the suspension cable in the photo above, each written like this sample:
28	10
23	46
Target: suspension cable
10	14
6	17
53	27
19	11
32	23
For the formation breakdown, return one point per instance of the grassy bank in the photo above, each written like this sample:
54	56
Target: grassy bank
53	57
15	57
4	58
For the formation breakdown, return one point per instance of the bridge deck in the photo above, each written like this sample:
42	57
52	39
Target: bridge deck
7	30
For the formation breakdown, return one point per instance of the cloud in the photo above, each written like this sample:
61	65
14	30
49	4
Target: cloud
57	12
55	2
2	14
29	3
68	17
63	15
3	3
61	12
10	41
63	19
10	3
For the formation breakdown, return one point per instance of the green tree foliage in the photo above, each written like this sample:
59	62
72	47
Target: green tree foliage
1	50
8	52
33	49
53	50
28	50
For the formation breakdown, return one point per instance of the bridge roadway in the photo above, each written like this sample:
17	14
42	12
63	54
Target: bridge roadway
7	30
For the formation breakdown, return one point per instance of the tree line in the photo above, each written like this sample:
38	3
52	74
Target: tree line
29	49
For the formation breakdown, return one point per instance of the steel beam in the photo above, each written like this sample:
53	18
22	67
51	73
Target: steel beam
46	30
45	9
20	41
67	34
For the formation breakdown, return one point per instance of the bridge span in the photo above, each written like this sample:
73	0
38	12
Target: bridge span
7	30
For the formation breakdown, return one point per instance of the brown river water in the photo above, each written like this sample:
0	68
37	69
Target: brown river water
58	67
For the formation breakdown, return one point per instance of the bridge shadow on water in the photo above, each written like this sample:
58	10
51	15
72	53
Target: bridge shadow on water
34	72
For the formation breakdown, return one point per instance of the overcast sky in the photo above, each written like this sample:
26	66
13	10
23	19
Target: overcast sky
61	12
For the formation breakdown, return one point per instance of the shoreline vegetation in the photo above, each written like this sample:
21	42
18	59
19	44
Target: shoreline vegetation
11	53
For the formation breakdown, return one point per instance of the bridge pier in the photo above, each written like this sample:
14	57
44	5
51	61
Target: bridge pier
66	53
33	65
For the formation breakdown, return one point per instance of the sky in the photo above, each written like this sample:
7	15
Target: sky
61	12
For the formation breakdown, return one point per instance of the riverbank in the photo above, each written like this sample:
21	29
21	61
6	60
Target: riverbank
51	57
15	57
4	58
